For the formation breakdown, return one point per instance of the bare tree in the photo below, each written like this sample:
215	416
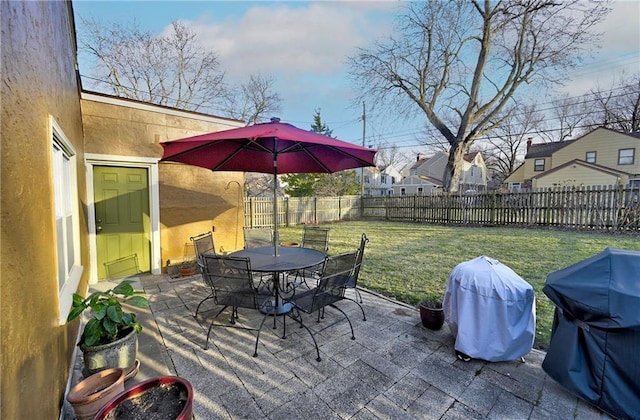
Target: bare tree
390	155
169	70
619	107
569	118
505	147
254	100
465	60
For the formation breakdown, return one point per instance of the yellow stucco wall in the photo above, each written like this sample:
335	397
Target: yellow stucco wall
38	81
192	199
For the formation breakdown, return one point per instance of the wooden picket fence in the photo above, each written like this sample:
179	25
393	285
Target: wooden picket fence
607	208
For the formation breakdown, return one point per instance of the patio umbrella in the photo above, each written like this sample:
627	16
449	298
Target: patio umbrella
273	148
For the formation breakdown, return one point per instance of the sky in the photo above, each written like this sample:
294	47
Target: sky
304	46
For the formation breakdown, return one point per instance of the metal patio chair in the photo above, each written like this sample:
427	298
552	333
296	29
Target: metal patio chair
315	238
353	279
203	244
331	287
231	281
257	237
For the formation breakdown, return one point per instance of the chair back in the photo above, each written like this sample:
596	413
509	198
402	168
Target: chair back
257	237
316	238
335	275
232	280
353	280
203	244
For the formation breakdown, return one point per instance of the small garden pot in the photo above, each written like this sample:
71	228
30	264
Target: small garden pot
431	314
169	395
93	392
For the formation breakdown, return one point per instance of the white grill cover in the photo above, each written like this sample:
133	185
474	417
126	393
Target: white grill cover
490	310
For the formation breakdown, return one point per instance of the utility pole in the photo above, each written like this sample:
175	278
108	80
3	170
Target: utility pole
364	131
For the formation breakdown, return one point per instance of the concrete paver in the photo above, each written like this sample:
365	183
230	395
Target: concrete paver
394	369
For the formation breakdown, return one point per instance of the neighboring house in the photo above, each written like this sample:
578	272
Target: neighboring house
427	173
380	181
67	157
601	157
417	184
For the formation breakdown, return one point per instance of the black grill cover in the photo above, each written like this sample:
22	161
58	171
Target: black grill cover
595	340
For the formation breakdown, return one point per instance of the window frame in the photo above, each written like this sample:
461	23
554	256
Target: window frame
536	165
633	156
66	217
595	156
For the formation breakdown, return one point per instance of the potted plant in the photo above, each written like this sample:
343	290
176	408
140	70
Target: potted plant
170	396
431	312
110	337
188	268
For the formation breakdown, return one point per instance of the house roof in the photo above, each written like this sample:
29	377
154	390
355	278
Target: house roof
546	149
593	166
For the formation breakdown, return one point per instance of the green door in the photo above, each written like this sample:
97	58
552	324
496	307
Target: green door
123	228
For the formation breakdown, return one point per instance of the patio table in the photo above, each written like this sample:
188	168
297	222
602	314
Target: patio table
288	259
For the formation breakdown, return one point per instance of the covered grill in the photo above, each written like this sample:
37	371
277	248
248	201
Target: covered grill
490	310
595	340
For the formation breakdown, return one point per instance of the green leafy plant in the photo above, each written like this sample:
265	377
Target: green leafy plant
108	320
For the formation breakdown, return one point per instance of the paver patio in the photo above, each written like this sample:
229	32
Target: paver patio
394	369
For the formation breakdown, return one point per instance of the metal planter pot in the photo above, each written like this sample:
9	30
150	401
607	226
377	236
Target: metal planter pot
118	354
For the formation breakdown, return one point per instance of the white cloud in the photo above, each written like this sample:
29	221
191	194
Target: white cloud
285	39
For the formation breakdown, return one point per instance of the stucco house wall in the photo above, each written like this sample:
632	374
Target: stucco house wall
39	88
190	200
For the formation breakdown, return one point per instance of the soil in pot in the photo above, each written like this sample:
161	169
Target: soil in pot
158	403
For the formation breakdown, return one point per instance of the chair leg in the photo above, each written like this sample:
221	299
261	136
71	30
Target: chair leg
358	295
206	344
353	337
202	301
364	317
255	350
315	343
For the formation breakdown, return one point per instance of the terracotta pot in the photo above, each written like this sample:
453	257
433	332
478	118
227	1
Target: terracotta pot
118	354
93	392
431	315
185	394
188	271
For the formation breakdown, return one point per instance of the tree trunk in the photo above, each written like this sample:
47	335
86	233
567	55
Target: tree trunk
453	170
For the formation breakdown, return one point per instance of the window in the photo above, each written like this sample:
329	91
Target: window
515	186
419	190
590	157
626	156
67	219
538	165
366	179
383	179
403	191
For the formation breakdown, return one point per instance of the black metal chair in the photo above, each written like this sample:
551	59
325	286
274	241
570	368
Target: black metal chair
353	279
331	287
231	280
203	244
257	236
315	238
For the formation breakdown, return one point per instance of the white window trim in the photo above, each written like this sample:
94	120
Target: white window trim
151	164
65	294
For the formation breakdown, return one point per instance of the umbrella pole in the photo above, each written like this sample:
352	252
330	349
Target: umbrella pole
276	235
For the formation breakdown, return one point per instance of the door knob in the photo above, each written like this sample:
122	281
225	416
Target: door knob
98	228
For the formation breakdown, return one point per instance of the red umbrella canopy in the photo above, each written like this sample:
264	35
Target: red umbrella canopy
258	147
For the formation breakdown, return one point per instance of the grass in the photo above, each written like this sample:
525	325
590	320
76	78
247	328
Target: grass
412	261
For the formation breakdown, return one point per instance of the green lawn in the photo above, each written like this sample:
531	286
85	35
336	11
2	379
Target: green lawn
409	261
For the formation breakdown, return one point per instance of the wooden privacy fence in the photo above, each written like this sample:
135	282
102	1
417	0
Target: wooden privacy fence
593	208
298	210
